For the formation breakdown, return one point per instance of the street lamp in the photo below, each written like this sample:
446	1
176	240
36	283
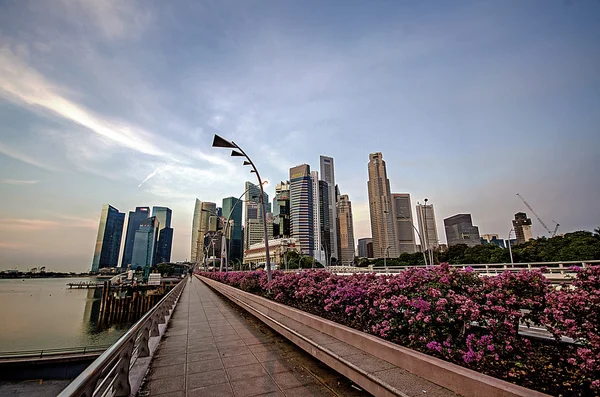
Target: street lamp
426	234
386	253
223	143
510	249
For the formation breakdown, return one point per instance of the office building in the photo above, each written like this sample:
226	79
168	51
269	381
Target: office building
133	224
165	234
325	224
201	225
492	239
460	230
144	246
383	228
255	232
363	250
232	208
301	208
345	231
522	226
257	254
427	227
328	175
281	210
254	211
108	241
318	252
404	223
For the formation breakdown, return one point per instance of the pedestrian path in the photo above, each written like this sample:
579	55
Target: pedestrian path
213	348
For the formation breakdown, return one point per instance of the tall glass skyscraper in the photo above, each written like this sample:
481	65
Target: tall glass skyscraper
254	214
203	211
144	247
133	224
301	208
328	175
281	209
236	233
108	241
165	234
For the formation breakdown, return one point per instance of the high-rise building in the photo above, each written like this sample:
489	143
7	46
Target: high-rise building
133	224
254	212
301	208
404	222
165	234
363	251
345	231
201	224
328	175
318	251
460	230
427	227
233	209
108	241
383	228
144	246
522	226
281	210
325	223
492	239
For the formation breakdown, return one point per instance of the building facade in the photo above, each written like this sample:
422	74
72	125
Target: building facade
277	248
328	175
232	208
427	227
145	243
325	224
301	208
345	231
522	226
108	240
363	251
165	234
492	239
404	223
281	210
318	251
201	224
133	224
254	211
383	228
460	230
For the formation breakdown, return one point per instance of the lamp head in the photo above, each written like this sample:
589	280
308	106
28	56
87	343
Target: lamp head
221	142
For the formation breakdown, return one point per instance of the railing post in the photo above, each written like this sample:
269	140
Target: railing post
122	388
143	348
154	327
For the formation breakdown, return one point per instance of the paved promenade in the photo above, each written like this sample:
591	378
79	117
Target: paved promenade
213	348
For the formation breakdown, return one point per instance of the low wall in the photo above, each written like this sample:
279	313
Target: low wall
453	377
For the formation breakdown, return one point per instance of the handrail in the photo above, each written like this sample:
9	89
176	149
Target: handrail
39	353
110	371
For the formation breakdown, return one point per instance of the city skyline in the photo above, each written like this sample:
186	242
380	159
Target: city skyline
447	94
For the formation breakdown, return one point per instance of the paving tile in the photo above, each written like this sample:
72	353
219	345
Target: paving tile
234	351
167	371
220	390
180	393
194	347
277	366
263	347
166	385
207	378
204	366
267	356
168	360
237	361
253	386
246	371
226	338
201	356
230	344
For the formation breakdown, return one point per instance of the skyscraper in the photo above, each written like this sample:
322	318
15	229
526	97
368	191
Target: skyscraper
404	222
318	253
236	233
383	229
428	229
345	231
144	246
133	224
254	212
460	230
325	222
108	241
201	222
363	244
301	208
328	175
165	234
281	209
522	226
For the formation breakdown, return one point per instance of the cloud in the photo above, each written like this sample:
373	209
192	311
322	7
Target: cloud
152	174
79	222
13	246
22	84
17	224
17	155
18	182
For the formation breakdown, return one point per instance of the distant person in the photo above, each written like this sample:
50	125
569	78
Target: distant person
191	271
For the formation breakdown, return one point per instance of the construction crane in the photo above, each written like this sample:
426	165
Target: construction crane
551	233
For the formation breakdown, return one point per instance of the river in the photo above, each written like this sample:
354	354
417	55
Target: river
45	314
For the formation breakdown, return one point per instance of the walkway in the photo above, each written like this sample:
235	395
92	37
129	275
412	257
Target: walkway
213	348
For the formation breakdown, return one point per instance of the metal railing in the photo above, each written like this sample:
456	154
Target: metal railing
108	375
52	352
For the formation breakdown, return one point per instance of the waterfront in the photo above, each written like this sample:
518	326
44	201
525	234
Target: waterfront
46	314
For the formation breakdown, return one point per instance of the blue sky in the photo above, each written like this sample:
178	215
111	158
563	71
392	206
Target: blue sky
469	101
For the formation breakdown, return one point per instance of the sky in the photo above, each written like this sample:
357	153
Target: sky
117	101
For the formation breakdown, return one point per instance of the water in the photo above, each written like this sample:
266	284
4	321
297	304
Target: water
45	314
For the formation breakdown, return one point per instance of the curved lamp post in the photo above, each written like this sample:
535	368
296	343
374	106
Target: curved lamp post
387	250
223	143
509	248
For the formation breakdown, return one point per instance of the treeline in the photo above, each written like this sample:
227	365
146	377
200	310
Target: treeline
40	275
576	246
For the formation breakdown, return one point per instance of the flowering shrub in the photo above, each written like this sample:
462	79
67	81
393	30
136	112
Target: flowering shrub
456	315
